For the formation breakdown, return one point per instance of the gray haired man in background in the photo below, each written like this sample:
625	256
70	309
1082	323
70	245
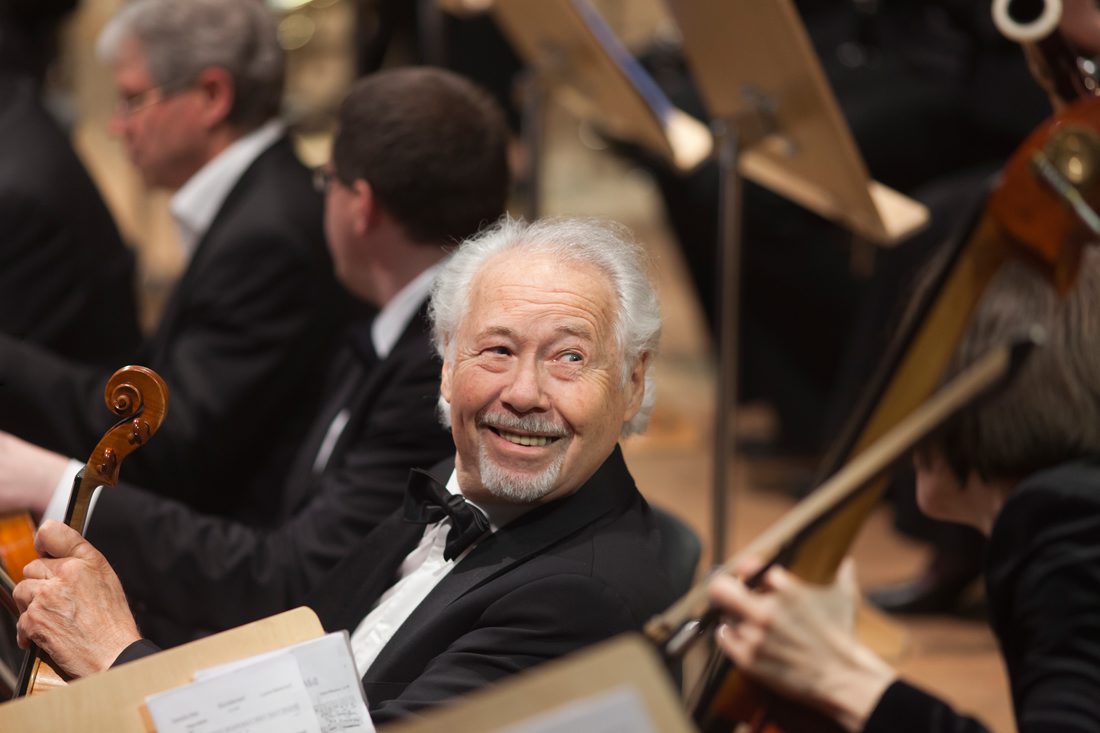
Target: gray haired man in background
250	326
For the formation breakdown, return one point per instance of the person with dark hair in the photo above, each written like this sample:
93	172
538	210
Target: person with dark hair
532	543
254	317
66	278
395	160
440	197
1022	467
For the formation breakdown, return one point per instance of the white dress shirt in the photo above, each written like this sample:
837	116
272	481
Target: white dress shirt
198	201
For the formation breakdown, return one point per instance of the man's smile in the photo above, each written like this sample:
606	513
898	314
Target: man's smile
527	440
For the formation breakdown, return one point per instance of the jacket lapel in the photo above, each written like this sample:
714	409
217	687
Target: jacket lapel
379	375
364	380
169	317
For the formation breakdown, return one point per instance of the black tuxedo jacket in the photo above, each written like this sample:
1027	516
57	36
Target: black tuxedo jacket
242	345
223	572
66	278
565	575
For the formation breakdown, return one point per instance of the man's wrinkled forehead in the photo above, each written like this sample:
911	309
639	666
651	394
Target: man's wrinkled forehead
542	279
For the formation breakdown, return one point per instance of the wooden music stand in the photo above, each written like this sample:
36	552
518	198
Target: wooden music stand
113	702
574	55
529	702
579	58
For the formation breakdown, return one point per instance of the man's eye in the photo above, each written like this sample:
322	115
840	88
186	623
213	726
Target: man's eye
501	350
572	357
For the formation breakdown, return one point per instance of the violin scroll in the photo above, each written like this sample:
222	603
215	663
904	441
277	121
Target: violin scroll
138	396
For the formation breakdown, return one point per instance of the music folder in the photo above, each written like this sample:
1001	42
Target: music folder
114	701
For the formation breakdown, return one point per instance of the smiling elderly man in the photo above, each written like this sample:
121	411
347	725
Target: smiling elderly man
536	542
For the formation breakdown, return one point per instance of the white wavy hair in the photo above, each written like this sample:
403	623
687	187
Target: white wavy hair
606	245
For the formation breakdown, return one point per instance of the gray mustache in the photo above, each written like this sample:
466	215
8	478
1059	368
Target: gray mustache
527	423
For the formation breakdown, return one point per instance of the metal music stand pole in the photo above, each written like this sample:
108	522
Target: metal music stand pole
727	148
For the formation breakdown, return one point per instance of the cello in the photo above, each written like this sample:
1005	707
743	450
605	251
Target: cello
1042	211
139	398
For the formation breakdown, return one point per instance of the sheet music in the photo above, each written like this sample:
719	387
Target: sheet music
619	710
325	670
268	697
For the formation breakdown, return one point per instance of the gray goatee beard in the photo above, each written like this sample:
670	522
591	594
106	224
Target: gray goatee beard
520	488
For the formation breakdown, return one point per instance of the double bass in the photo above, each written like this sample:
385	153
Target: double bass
1043	211
139	398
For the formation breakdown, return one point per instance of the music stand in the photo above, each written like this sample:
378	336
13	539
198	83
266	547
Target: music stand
617	685
572	53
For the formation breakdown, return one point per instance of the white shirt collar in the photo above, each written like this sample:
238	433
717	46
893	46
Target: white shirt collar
197	202
394	318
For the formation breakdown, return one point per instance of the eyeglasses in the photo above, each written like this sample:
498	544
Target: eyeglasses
131	104
323	177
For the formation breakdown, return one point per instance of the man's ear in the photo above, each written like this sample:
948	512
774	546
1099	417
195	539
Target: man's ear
445	381
218	95
635	387
365	208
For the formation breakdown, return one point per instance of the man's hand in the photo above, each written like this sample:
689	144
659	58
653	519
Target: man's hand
72	605
799	640
28	475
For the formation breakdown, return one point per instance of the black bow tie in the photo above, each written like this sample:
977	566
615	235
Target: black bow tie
428	501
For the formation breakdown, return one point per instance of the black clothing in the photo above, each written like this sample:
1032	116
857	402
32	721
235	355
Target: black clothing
242	345
1043	583
565	575
225	572
66	278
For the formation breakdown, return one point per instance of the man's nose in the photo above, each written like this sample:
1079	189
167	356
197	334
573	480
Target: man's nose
525	392
116	124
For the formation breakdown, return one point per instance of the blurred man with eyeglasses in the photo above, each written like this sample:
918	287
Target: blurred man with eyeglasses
250	327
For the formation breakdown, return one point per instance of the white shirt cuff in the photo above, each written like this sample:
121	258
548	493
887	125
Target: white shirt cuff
59	502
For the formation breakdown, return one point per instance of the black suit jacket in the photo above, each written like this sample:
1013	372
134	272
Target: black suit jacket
1043	585
242	346
66	278
565	575
225	572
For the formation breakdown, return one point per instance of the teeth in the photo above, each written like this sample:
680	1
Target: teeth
532	440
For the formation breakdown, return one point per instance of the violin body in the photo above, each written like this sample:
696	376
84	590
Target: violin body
139	397
16	543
